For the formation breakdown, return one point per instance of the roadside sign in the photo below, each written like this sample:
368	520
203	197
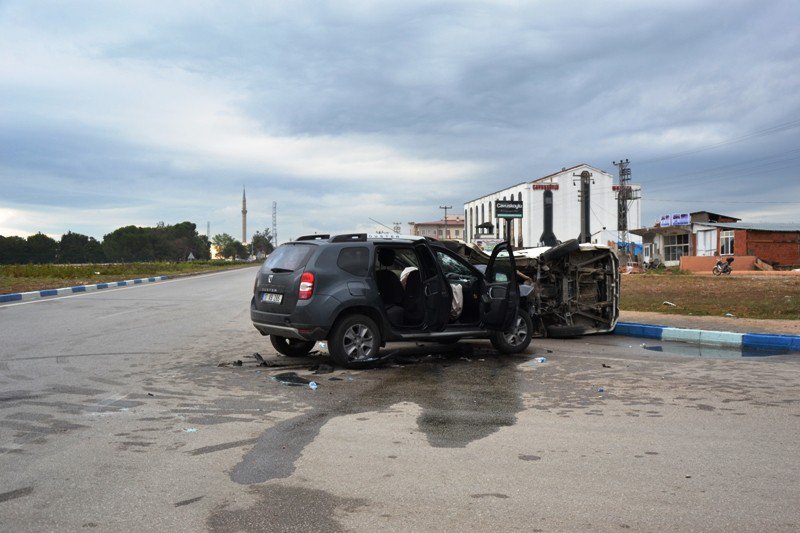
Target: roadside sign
507	209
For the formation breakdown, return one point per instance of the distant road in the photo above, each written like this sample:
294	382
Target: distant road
157	316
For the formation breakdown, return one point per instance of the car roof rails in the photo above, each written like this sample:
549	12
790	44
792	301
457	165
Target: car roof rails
315	237
350	237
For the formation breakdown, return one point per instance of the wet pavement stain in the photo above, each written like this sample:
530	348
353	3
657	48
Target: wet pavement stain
286	509
188	502
14	494
461	402
490	495
291	379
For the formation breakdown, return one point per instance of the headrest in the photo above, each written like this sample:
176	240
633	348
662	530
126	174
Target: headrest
386	256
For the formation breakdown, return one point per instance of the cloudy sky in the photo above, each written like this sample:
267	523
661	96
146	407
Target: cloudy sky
118	113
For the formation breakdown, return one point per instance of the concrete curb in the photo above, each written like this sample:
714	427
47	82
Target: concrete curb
36	295
753	341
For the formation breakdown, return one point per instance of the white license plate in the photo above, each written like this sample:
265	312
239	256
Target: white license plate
271	298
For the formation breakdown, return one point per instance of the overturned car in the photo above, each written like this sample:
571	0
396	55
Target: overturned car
575	287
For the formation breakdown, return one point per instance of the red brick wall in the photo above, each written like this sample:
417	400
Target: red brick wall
782	248
694	263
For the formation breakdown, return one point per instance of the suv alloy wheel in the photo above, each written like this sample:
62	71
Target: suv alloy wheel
355	339
517	337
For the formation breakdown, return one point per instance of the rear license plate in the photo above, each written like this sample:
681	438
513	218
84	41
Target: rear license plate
271	297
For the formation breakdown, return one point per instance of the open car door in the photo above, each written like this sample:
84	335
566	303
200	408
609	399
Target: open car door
435	289
500	293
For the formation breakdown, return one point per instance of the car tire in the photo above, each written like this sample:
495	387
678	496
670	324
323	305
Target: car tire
517	338
563	249
356	339
565	332
291	347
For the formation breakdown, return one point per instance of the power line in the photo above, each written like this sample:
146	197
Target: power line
759	133
740	166
717	201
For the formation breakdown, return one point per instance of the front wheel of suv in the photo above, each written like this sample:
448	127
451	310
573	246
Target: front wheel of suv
355	339
291	347
516	338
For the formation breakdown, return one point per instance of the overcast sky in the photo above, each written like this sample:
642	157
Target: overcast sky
118	113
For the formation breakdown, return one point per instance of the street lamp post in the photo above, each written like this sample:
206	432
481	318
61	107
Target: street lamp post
446	228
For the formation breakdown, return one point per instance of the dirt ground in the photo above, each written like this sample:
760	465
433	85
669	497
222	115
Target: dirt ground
744	296
714	323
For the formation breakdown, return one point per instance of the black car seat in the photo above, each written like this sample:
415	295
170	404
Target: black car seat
413	301
389	286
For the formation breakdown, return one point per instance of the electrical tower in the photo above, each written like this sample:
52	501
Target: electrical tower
625	198
275	224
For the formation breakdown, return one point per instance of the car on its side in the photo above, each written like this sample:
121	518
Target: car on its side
360	291
575	287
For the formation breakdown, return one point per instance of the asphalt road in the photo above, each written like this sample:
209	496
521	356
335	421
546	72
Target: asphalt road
114	415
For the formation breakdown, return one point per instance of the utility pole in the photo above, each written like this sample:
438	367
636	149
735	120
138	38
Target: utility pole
625	200
244	217
446	227
586	180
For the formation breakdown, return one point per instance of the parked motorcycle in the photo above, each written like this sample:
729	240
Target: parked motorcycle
723	267
654	264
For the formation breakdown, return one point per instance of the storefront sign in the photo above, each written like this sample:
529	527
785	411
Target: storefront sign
507	209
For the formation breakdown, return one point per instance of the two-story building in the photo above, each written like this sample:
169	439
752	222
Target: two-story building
452	228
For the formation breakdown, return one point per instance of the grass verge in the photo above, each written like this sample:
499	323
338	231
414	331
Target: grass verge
775	297
24	278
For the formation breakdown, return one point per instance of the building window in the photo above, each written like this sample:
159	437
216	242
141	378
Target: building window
726	242
457	234
676	246
440	233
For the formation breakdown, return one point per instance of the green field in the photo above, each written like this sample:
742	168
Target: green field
23	278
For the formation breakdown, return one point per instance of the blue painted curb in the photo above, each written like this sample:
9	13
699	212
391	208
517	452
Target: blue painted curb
36	295
754	341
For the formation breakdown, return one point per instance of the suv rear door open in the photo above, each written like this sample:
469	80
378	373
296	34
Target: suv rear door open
500	294
435	289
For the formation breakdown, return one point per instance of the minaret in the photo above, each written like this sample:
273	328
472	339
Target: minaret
244	217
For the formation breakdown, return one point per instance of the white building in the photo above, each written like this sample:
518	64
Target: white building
565	185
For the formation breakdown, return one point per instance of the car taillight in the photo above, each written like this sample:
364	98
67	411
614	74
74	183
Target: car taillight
306	286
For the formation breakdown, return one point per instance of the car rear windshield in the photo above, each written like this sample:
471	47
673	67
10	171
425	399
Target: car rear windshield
288	257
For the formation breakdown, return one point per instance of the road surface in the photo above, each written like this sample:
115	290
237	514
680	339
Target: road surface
114	415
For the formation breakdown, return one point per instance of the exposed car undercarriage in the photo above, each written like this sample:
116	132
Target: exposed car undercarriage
575	286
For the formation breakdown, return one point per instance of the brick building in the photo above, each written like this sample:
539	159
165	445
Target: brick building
777	244
453	228
701	237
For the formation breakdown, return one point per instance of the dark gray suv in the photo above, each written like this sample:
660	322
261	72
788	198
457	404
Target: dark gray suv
360	291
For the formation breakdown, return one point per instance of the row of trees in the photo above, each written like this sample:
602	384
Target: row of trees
130	244
230	248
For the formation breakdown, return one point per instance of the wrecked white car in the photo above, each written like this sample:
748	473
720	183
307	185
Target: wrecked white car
575	286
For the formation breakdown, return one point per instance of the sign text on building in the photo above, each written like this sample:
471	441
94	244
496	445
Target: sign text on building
675	219
507	209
